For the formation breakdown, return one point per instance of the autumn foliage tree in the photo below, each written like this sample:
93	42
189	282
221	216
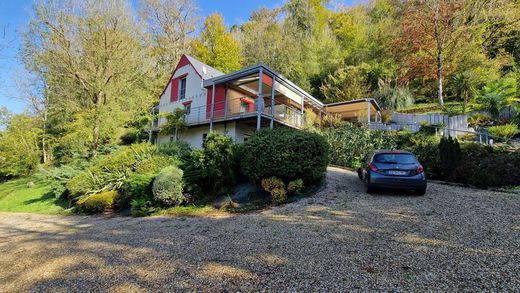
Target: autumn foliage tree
432	33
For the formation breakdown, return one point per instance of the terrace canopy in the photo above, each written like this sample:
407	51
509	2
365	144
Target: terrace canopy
362	110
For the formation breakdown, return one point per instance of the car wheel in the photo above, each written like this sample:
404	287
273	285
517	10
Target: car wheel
421	191
359	174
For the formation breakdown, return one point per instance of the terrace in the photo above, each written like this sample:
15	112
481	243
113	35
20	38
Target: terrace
254	92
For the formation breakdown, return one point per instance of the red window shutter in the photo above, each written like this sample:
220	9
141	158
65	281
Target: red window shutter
175	90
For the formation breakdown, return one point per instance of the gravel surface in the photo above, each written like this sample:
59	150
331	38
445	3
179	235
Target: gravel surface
451	239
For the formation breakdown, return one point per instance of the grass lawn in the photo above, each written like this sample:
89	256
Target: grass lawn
15	196
428	108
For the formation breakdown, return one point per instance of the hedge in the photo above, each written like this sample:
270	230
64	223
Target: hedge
285	153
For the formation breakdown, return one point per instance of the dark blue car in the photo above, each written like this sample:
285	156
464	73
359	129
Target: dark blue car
392	169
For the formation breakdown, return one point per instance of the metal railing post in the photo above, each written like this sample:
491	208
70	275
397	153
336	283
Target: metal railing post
260	96
271	125
212	108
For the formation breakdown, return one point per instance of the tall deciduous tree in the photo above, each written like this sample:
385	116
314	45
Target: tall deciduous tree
217	47
19	150
170	25
92	60
432	33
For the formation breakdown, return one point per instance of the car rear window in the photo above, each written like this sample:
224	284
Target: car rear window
394	158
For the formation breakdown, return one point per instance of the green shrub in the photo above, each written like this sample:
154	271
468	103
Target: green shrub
484	166
176	149
295	187
506	131
130	136
350	144
479	120
142	207
137	185
168	187
155	164
430	129
278	195
276	188
210	171
272	183
450	155
59	176
331	120
97	202
285	153
386	116
111	171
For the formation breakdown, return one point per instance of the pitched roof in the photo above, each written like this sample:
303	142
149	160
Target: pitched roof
204	70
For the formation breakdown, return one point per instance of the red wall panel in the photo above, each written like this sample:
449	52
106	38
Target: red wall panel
220	101
174	96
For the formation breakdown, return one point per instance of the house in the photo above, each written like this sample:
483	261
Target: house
236	104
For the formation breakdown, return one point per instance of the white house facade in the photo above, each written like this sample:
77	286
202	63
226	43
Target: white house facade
236	104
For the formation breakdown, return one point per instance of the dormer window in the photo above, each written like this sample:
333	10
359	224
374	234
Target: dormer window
182	89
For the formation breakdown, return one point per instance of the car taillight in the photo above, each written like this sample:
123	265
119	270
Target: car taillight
373	167
420	169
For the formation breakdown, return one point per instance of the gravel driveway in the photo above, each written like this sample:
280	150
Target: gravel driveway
451	239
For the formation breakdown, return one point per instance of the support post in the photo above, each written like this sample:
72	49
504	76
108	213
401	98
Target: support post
212	108
303	112
368	104
272	103
259	104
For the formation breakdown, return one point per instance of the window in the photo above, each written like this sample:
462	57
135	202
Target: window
182	89
395	158
187	108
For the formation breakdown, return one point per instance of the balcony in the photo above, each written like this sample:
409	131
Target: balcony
244	107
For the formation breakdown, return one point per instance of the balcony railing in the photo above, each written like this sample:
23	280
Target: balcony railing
243	107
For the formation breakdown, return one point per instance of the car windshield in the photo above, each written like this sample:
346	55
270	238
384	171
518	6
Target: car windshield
397	158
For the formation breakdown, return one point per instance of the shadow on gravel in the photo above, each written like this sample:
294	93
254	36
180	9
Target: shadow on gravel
341	239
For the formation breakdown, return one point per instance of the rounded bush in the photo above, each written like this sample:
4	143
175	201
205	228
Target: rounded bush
168	187
98	202
295	187
285	153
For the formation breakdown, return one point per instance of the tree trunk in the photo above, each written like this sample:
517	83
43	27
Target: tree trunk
44	141
96	125
438	39
439	78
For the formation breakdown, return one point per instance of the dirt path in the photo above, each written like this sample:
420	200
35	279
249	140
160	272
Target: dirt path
339	240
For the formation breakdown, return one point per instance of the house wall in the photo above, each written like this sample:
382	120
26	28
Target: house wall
194	135
242	130
194	93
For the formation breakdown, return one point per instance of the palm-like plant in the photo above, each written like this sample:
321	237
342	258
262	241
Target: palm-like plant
464	87
394	98
499	95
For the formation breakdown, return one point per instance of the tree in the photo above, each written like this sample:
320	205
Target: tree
432	32
464	87
19	150
314	49
344	84
170	25
264	40
498	95
92	60
175	122
217	47
5	117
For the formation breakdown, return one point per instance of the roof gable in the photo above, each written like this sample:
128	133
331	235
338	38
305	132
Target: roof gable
203	70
